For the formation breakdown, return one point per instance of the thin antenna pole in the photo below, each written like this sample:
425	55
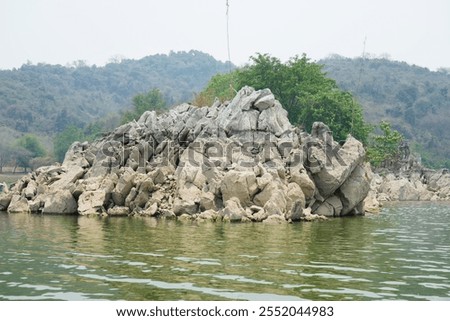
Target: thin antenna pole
228	36
358	87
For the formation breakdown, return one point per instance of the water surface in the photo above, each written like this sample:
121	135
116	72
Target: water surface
401	254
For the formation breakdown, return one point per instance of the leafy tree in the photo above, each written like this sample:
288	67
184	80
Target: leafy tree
384	147
22	158
31	144
63	140
221	86
302	88
29	147
6	155
152	100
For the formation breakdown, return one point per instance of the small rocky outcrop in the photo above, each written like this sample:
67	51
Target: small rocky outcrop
4	188
406	179
238	161
411	183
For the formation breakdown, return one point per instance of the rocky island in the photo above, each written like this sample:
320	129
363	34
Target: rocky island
237	161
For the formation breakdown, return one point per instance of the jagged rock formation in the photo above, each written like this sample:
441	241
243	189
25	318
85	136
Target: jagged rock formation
410	181
237	161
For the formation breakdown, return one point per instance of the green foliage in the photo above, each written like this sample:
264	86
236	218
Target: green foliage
45	98
337	109
152	100
221	86
302	88
26	149
6	154
415	100
384	147
32	145
22	158
63	140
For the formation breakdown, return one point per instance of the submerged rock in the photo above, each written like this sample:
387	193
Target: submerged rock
237	161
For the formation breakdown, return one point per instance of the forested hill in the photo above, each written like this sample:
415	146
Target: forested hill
415	100
45	99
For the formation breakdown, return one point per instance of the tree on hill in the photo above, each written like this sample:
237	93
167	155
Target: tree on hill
152	100
384	147
63	140
302	88
29	148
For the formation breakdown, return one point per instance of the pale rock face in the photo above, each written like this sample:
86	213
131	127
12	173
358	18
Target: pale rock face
60	203
410	181
18	204
333	164
355	189
5	200
118	211
237	161
233	210
332	206
301	178
4	188
371	203
241	185
91	202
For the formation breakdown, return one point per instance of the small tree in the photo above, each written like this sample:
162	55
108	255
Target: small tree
63	140
152	100
32	144
384	147
28	147
6	155
302	88
221	86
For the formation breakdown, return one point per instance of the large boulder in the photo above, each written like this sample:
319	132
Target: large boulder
18	204
241	185
355	189
332	206
60	203
5	200
123	186
92	203
330	163
233	211
67	176
4	188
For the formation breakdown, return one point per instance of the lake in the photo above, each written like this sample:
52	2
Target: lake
401	254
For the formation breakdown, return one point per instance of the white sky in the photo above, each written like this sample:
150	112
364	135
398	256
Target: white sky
58	32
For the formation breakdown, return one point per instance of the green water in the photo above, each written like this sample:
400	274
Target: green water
401	254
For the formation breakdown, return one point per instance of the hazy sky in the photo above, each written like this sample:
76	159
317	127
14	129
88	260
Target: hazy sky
58	32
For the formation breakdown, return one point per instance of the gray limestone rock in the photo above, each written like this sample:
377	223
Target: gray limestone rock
240	161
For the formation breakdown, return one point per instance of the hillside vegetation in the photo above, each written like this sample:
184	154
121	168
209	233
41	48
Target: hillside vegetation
44	100
56	104
415	100
303	90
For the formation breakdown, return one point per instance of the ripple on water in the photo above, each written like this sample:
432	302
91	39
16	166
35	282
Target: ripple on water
224	293
435	285
199	261
349	291
60	296
335	267
399	254
147	254
238	278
